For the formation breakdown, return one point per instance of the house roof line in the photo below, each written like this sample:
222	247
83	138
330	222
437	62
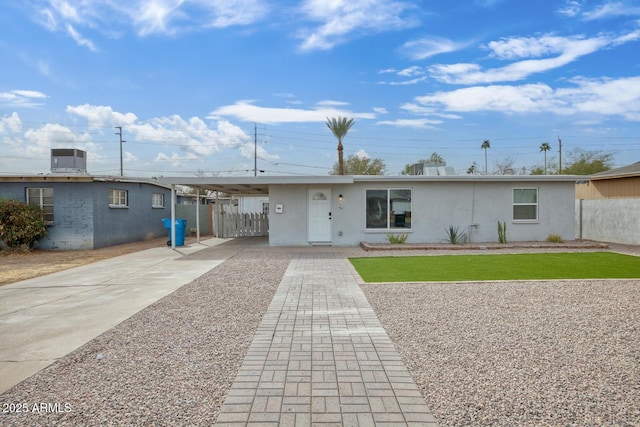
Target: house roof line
623	172
79	178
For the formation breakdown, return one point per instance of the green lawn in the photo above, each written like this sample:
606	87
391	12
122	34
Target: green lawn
453	268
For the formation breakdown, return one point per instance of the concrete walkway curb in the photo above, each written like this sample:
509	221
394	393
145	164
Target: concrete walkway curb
44	318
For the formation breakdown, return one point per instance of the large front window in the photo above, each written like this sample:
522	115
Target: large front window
42	198
525	204
388	208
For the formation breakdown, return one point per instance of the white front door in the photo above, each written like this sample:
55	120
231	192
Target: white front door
319	222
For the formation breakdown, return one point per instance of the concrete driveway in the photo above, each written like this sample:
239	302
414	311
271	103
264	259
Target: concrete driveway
45	318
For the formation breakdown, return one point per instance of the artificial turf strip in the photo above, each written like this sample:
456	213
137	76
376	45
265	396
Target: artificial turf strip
454	268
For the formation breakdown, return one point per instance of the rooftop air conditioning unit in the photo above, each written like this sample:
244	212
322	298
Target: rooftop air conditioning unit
68	160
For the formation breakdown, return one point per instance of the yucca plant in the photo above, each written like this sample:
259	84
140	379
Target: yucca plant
455	236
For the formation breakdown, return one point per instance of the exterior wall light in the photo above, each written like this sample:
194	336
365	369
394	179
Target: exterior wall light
340	198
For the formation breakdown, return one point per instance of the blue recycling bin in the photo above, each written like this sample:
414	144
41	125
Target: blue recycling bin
181	227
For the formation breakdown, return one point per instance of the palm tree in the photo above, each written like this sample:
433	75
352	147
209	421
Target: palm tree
485	144
339	127
545	147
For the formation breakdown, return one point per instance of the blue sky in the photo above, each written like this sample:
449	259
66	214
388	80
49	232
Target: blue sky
193	82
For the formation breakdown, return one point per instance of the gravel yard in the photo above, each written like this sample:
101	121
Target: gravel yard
522	353
562	353
170	364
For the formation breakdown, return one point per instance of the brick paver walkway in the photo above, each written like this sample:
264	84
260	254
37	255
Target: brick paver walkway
321	357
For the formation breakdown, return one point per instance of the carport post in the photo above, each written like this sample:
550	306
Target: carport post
198	215
173	216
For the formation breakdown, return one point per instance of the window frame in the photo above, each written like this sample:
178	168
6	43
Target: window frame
48	216
536	204
153	201
390	217
119	204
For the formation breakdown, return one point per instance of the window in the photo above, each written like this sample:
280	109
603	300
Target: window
388	209
42	198
265	208
117	198
525	204
157	200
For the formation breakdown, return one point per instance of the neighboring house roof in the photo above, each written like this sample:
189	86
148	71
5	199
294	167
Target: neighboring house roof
260	185
79	178
623	172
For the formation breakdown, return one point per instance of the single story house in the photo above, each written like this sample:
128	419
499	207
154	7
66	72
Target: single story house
91	212
345	210
607	206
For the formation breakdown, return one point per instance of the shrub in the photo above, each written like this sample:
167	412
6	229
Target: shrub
20	224
554	238
502	232
455	236
397	238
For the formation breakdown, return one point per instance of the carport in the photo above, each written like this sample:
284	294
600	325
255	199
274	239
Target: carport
239	186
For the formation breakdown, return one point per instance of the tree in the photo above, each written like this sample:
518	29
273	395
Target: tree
339	127
356	165
486	144
472	169
434	159
544	148
583	162
505	166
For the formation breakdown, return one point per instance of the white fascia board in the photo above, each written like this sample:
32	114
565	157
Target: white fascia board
467	178
259	180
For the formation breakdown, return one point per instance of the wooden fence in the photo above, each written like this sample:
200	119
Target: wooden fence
241	225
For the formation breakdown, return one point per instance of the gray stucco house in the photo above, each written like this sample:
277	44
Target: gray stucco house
346	210
91	212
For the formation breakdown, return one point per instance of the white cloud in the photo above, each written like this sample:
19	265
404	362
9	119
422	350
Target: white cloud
176	160
146	17
571	8
22	98
246	111
526	98
422	123
39	141
411	71
607	9
331	103
418	74
605	97
100	115
424	47
341	20
249	150
10	124
612	9
566	49
362	154
79	39
405	82
228	13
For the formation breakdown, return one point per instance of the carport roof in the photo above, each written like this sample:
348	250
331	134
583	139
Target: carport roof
252	186
259	185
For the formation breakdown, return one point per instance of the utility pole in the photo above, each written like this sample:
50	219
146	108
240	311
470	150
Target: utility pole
255	149
559	155
119	133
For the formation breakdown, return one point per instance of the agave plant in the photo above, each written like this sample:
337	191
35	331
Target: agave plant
455	236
